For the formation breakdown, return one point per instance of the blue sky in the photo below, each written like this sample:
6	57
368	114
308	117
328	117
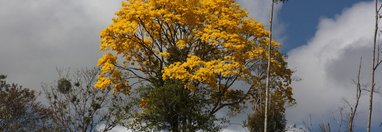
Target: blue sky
324	41
301	17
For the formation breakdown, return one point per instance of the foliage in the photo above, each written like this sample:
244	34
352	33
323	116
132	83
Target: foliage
77	106
171	107
202	45
19	109
276	116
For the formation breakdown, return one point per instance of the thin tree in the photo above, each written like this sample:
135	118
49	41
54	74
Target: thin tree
269	64
353	109
375	64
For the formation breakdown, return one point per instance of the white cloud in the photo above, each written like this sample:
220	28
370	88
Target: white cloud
328	63
261	10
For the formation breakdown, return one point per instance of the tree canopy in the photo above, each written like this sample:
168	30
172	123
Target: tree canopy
206	46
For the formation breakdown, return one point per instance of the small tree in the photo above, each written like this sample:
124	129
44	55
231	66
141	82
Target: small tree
375	63
276	116
19	110
77	106
171	108
354	107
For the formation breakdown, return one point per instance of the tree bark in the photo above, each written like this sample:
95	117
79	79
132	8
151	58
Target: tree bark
373	68
358	97
268	70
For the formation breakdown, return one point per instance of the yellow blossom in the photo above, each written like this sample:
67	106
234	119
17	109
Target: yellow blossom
181	44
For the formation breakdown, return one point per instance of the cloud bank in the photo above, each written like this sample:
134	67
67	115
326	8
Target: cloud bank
328	63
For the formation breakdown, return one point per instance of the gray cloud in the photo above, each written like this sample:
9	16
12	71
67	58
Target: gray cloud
38	36
328	63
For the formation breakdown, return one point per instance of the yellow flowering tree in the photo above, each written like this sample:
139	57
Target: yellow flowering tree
199	44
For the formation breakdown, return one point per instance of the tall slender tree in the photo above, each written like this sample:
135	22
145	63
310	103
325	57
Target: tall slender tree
269	63
375	64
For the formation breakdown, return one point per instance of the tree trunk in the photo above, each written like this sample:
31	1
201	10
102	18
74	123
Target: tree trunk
268	70
358	97
373	68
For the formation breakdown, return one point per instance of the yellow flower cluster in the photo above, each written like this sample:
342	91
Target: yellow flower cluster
181	44
195	69
107	63
164	54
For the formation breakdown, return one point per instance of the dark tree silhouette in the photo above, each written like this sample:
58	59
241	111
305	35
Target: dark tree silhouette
19	109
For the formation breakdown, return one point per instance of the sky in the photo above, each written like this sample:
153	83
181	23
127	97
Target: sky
323	40
301	17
